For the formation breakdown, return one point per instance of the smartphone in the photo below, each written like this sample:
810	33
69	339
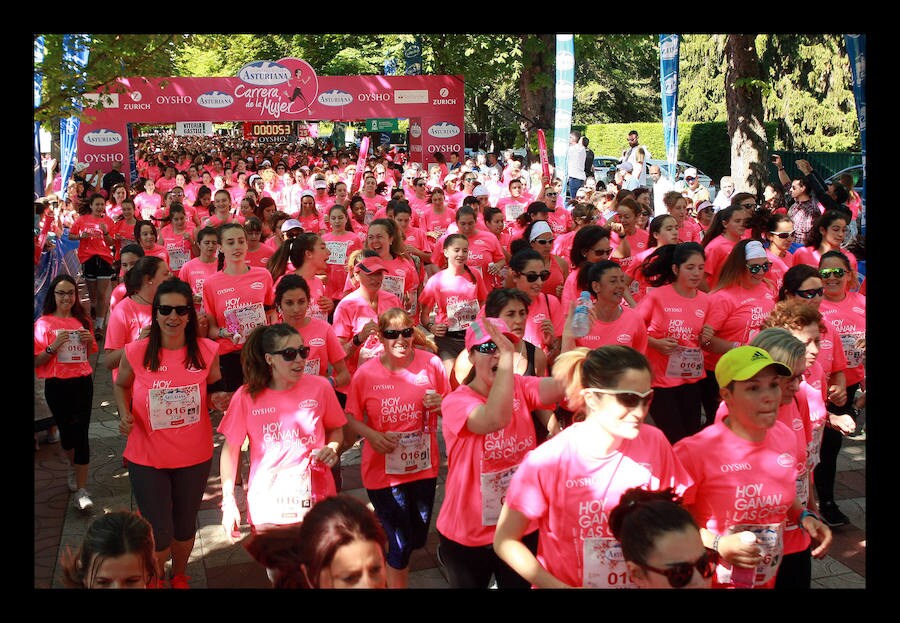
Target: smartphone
773	158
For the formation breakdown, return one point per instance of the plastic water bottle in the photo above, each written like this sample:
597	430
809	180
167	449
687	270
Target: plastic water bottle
581	321
429	417
743	577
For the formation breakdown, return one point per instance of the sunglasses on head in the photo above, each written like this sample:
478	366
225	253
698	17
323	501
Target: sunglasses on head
393	334
532	277
181	310
679	575
784	235
289	354
626	397
810	293
544	240
756	268
488	348
825	273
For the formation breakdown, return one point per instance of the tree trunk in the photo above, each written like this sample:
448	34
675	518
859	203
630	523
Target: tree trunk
536	84
743	98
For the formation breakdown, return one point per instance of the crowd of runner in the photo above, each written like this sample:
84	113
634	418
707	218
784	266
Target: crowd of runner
300	300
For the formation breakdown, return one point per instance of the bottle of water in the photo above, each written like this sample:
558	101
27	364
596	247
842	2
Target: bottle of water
581	321
429	417
743	577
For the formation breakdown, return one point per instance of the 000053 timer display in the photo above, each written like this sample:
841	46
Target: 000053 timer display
283	128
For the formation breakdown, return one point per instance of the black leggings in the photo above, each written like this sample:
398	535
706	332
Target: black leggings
826	471
472	567
169	499
232	372
70	402
795	571
709	397
676	410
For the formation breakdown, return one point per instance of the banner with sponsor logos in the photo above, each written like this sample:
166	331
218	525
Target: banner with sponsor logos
75	55
856	50
668	83
39	178
287	89
565	91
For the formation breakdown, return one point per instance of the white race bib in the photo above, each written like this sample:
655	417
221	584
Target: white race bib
173	407
412	454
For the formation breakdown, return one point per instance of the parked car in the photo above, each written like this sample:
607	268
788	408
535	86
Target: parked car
605	168
680	167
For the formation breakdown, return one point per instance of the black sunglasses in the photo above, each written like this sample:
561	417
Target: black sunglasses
181	310
544	240
488	348
784	235
289	354
756	268
532	277
679	575
393	334
627	398
811	293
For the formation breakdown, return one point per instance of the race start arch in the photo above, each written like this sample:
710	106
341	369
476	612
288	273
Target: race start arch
287	89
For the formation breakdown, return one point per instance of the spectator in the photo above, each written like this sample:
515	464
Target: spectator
662	185
575	158
637	155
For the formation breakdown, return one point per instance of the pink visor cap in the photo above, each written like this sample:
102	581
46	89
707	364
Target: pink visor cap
477	333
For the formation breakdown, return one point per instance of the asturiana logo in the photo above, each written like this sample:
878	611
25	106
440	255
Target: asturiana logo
415	130
215	99
444	129
335	97
264	73
102	138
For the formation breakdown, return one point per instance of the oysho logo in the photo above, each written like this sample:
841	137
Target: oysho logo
374	97
224	291
444	129
335	97
215	99
264	73
415	130
672	310
858	310
735	467
102	138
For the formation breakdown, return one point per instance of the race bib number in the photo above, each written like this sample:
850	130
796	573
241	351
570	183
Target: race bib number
394	284
770	539
244	319
173	407
73	351
685	363
493	492
311	367
412	454
338	252
282	496
853	352
177	257
512	211
604	565
461	314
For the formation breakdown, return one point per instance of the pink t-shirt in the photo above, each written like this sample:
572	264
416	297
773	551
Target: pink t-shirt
324	347
391	401
146	204
811	257
237	302
455	298
543	307
562	245
124	229
571	291
94	242
435	225
690	231
638	286
178	248
312	223
847	318
158	251
670	315
260	257
125	323
284	428
570	488
171	427
401	278
116	296
374	204
560	221
626	330
72	358
735	314
743	485
812	389
484	249
637	242
480	466
556	277
512	208
777	269
351	314
716	252
194	273
340	248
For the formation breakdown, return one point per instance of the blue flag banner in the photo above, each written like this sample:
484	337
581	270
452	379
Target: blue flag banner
668	87
565	92
390	67
39	177
856	50
75	56
412	54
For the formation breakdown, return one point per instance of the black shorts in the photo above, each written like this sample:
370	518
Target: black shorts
97	268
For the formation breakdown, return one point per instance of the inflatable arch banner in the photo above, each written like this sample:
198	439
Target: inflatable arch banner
287	89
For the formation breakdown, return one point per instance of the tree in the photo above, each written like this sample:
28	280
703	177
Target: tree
743	95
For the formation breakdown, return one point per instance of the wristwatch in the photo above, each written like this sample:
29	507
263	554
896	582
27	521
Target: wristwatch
49	350
356	340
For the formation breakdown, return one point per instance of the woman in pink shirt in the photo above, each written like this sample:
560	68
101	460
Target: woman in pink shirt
341	241
308	254
745	467
394	402
202	203
401	277
591	244
195	271
118	193
93	230
624	226
359	218
739	303
844	311
488	431
148	201
437	217
146	234
456	295
675	311
178	237
727	229
258	254
63	343
129	256
688	229
611	322
540	238
827	234
546	317
374	201
570	484
663	230
308	215
123	229
294	424
161	396
780	236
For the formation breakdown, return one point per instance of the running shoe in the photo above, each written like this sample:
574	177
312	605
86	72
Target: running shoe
52	436
83	500
179	581
70	480
833	515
